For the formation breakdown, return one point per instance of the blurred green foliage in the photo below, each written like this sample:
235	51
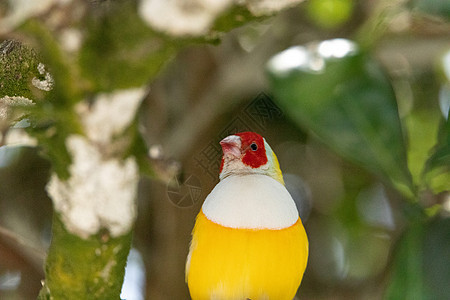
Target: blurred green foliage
437	171
436	247
407	280
340	94
350	105
421	266
434	7
330	13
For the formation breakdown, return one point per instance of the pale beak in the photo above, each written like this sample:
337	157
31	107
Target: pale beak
231	146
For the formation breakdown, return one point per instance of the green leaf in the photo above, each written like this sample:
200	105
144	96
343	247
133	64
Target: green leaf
436	258
346	100
434	7
407	273
437	171
422	127
421	265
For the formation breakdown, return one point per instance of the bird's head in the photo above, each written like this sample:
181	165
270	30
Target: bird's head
248	153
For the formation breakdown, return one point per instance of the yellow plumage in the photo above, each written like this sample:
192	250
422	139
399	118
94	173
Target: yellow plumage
236	264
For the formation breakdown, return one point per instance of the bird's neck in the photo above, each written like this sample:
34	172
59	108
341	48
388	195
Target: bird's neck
271	172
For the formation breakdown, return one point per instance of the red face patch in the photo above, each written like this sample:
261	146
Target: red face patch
221	165
253	149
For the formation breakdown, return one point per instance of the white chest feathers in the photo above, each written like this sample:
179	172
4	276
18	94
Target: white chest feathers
250	201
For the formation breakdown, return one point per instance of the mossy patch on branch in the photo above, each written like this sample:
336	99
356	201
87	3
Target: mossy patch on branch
84	269
18	66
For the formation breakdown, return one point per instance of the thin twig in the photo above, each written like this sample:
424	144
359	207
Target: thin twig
8	234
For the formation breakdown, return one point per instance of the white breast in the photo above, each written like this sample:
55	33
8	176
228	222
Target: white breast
250	201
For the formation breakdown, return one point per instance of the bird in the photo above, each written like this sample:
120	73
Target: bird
248	241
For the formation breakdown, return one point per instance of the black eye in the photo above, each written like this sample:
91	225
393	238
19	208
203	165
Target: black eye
254	147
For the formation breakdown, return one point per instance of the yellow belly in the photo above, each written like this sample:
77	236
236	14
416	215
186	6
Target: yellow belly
237	264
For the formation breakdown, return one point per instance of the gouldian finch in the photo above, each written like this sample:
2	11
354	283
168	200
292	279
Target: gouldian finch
248	241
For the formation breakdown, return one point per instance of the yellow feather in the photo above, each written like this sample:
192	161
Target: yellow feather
236	264
276	166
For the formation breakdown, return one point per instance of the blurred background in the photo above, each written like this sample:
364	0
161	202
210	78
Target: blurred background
363	241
